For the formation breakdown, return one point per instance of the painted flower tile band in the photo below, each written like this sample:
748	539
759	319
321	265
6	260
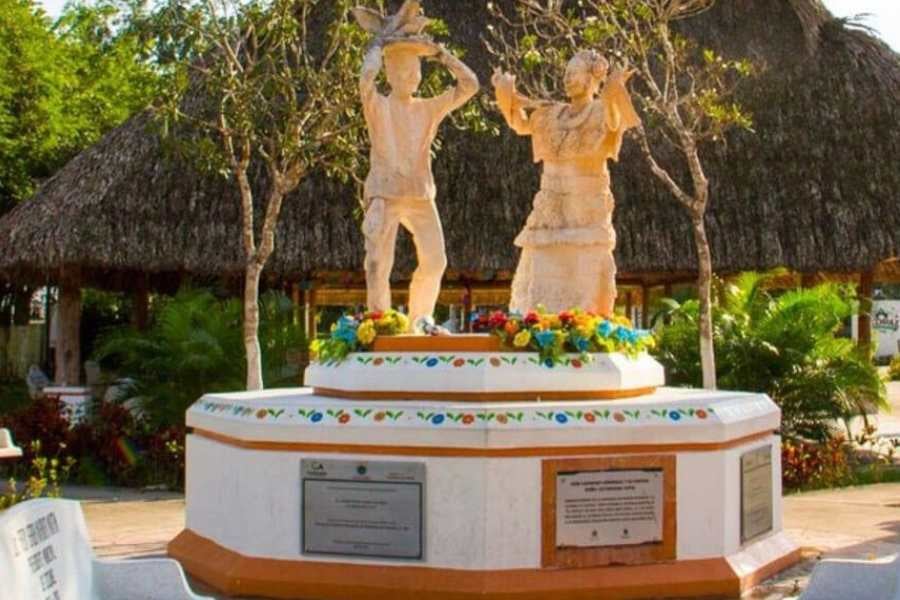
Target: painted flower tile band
416	417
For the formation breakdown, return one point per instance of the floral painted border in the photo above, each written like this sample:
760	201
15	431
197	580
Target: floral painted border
308	415
431	361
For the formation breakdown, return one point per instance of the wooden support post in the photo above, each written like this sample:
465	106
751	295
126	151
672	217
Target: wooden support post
645	307
68	347
629	304
864	324
298	301
467	309
309	321
140	314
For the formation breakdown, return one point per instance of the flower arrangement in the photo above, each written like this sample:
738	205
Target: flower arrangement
552	336
358	333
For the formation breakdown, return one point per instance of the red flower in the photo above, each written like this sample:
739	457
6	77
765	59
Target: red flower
459	362
566	317
701	414
262	413
468	420
577	363
497	320
344	419
532	318
502	419
379	416
495	362
375	316
589	417
378	362
619	417
481	324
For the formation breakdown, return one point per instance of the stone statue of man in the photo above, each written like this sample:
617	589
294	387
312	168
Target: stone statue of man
400	188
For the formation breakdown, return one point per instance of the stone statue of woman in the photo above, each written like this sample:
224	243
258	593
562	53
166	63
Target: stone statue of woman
568	242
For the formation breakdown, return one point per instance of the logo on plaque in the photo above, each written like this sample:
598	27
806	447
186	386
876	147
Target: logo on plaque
371	509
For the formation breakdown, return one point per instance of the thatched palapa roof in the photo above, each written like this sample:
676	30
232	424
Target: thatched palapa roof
815	188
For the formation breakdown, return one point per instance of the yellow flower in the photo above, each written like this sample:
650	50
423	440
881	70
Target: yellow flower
522	339
366	332
554	322
622	320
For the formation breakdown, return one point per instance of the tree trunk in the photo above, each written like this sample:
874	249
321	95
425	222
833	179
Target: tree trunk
251	327
704	293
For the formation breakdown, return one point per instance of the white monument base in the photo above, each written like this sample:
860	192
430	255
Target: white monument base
295	495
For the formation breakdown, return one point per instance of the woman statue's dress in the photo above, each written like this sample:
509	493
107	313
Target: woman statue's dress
568	241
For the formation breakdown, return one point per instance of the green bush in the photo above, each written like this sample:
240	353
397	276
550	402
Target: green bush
894	370
785	345
44	478
195	346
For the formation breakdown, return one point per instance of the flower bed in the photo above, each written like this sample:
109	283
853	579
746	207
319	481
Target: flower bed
552	336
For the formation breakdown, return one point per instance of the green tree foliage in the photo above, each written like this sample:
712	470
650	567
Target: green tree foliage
785	345
194	347
63	85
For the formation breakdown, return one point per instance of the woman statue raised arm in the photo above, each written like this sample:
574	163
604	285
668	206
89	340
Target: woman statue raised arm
568	241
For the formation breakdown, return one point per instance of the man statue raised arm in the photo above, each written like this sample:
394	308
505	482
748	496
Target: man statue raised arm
400	187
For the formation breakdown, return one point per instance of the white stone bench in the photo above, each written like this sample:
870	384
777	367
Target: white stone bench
7	448
45	554
835	579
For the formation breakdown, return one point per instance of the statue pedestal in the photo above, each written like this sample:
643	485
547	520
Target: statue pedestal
291	494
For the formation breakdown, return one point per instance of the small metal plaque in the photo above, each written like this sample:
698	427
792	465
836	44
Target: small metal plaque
609	508
359	508
756	493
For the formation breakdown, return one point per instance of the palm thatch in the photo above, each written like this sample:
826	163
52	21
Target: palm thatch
816	188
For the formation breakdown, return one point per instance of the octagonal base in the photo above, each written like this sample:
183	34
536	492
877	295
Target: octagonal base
489	496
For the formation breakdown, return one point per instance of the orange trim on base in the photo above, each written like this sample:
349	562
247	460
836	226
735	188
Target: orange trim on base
547	451
237	575
524	396
437	343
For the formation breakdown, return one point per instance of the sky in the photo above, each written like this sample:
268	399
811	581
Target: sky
884	19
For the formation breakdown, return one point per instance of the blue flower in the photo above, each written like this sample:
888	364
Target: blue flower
606	328
624	334
347	336
581	344
432	362
545	338
437	419
316	417
345	330
548	362
561	418
675	416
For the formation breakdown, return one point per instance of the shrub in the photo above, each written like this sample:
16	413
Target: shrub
810	465
110	447
195	346
45	477
894	370
785	345
42	421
